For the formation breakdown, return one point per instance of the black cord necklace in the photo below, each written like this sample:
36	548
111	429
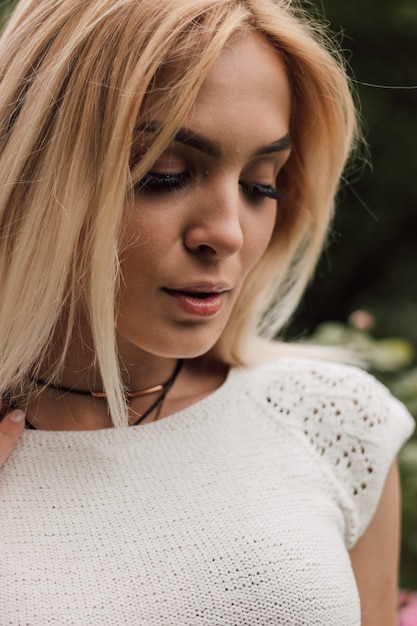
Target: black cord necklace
129	395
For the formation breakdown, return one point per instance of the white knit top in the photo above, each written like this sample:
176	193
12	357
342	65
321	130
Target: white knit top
236	511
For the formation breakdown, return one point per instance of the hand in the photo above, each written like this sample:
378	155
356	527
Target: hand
11	427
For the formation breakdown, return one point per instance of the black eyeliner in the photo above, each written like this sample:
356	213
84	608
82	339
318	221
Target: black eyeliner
266	191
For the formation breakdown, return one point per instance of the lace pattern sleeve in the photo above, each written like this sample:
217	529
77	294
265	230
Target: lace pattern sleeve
354	425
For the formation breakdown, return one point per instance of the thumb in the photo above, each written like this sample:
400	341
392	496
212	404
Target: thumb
11	427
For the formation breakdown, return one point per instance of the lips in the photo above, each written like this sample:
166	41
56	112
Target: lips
201	288
203	300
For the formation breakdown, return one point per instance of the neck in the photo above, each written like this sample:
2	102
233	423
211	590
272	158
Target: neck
138	368
144	404
50	410
55	409
130	394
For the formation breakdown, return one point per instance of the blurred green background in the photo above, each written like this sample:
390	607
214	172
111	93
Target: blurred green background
364	294
371	258
370	261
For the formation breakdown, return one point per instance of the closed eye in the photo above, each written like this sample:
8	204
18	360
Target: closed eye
257	190
167	182
163	182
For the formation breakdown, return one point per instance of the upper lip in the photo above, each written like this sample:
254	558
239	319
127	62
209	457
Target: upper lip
201	288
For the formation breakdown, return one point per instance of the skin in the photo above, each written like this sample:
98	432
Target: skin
209	231
11	427
212	231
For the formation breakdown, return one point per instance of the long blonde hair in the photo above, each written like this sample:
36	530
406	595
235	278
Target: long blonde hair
76	77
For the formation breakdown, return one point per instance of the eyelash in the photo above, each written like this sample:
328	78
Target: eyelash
163	182
174	182
262	191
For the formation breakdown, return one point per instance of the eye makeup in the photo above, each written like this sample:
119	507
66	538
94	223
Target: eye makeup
156	182
262	191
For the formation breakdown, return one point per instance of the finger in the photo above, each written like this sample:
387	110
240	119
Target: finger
11	427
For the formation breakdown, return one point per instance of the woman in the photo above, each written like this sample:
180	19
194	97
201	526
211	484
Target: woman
168	175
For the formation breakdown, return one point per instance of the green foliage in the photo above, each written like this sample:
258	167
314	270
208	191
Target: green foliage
5	7
371	254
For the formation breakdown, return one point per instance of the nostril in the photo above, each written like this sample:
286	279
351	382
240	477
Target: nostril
206	249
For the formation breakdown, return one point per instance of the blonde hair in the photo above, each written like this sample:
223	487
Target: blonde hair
76	78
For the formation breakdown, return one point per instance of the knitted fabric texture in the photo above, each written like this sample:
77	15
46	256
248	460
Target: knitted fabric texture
237	511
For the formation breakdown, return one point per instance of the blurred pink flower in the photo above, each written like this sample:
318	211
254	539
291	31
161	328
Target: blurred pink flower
407	607
361	319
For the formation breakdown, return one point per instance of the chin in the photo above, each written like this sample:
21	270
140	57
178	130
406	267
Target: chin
190	350
197	342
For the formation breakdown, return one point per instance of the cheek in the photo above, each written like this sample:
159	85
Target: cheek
134	232
139	244
135	266
259	235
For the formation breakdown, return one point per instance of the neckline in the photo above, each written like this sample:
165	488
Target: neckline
178	419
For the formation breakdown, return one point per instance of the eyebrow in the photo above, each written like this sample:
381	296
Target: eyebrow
192	139
280	145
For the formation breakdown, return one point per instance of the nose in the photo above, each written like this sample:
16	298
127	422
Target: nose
215	228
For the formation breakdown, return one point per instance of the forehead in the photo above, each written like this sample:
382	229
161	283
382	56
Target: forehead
244	101
245	63
247	89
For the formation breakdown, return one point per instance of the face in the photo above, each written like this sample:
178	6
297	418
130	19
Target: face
204	215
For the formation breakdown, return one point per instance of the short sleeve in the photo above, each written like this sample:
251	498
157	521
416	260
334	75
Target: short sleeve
354	425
